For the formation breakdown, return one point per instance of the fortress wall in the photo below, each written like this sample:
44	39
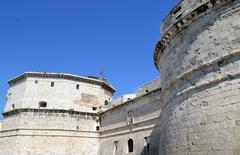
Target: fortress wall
50	120
48	145
116	126
200	76
152	85
63	95
15	96
49	133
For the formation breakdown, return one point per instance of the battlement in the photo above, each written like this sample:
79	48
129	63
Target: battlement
181	16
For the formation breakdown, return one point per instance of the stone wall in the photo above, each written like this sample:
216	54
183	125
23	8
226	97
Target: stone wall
48	145
200	70
64	94
49	132
137	120
150	86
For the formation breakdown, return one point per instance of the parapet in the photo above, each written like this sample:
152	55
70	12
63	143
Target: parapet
180	17
91	79
148	87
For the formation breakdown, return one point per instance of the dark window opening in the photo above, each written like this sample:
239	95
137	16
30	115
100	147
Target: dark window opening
201	9
42	104
115	147
52	84
94	108
220	63
147	91
130	146
129	99
36	81
97	128
106	102
177	10
213	2
77	86
77	127
146	145
13	106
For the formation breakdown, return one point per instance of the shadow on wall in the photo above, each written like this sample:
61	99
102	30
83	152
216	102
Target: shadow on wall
152	148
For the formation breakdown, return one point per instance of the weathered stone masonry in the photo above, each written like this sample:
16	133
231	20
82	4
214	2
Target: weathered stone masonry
199	56
193	110
55	113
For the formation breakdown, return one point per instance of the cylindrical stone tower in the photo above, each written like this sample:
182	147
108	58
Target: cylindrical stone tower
198	57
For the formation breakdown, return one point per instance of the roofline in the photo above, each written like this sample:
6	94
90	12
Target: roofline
134	100
73	77
149	83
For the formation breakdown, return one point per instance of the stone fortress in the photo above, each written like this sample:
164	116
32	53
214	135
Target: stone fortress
194	109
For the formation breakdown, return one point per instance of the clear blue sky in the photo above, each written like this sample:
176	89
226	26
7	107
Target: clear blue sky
81	37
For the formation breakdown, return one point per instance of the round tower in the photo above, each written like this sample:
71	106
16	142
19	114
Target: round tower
198	56
53	113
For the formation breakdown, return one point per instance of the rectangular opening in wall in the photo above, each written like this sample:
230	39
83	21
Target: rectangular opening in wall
42	104
130	117
146	145
97	128
77	86
52	84
94	108
115	147
177	10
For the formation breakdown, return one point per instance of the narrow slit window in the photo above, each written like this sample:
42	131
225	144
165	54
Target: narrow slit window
130	146
77	86
115	147
52	84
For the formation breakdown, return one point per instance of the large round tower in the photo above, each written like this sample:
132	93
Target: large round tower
198	56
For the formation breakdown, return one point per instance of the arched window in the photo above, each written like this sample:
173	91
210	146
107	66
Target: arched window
106	102
130	145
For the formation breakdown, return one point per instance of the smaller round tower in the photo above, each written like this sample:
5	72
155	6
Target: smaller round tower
54	113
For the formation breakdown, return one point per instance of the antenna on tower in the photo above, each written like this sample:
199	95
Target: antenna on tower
101	74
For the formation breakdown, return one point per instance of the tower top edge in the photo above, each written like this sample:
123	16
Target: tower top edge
52	75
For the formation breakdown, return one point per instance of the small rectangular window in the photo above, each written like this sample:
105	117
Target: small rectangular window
177	9
94	108
130	117
42	104
77	86
97	128
52	84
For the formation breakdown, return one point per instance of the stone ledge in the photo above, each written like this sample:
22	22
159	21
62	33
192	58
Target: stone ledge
57	111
